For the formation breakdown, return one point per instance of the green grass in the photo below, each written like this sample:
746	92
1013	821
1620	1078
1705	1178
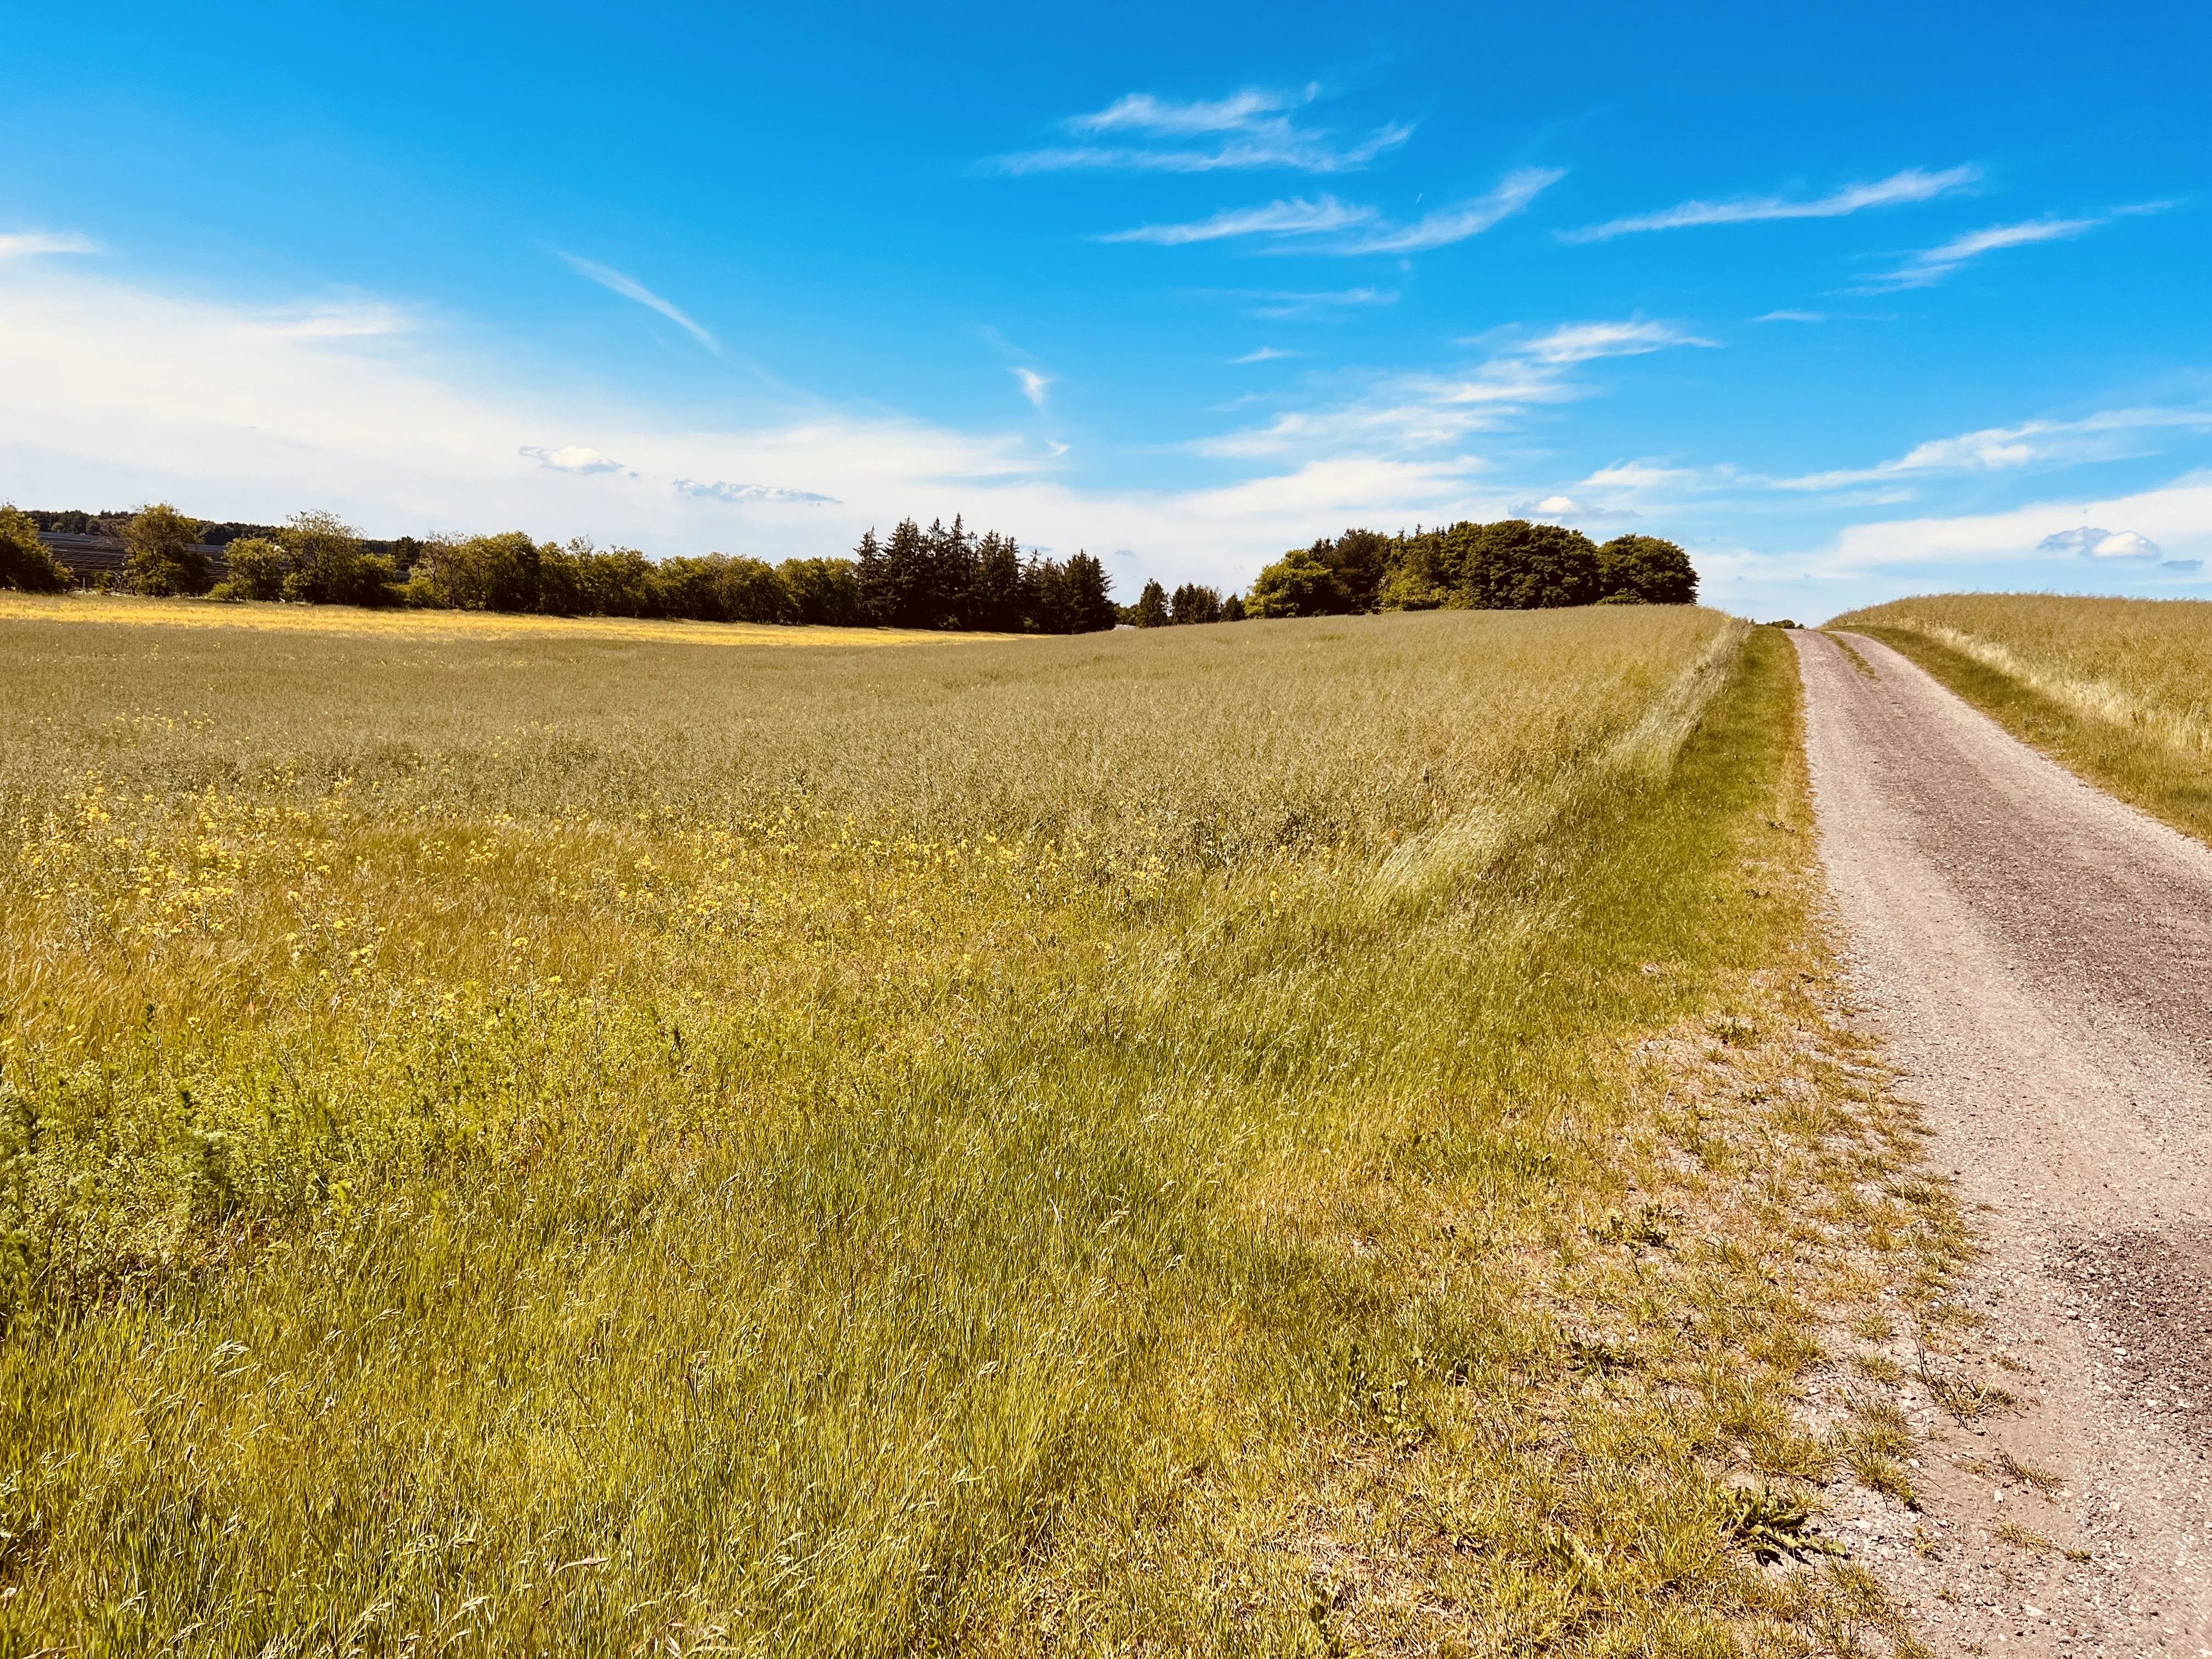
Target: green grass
2116	689
1290	1138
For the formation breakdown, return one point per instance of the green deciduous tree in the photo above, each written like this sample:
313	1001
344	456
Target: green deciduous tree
822	592
24	562
257	568
329	566
1296	585
163	558
1645	570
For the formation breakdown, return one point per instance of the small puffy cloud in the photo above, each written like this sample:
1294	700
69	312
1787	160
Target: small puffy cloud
1566	509
2176	516
2100	543
29	243
742	494
1913	185
1034	385
571	457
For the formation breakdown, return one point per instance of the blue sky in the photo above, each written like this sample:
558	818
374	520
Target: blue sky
1853	301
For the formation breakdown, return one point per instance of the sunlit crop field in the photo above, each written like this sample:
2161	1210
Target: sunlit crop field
424	627
1284	1137
2119	688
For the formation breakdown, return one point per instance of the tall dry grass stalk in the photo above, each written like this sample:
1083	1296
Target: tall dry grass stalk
578	1143
2116	687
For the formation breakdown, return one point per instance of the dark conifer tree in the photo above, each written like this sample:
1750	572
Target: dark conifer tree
1044	596
1090	590
905	588
1194	603
1150	610
873	595
994	596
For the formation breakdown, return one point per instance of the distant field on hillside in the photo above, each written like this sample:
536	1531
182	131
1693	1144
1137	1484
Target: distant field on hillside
2119	690
1287	1138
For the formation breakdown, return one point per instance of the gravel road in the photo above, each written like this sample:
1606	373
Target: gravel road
2038	957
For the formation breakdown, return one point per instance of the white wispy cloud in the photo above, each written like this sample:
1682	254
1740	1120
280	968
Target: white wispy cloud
29	243
741	494
1583	342
1400	412
1295	225
1140	112
1034	385
361	321
2109	434
1455	224
1256	128
571	457
2175	519
1912	185
1924	270
116	389
630	288
1280	305
1294	217
1793	317
1264	355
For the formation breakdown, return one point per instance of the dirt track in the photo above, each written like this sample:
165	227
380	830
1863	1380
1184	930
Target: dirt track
2039	958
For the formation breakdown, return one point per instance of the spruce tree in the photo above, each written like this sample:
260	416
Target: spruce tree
995	593
907	577
1090	604
1150	610
871	592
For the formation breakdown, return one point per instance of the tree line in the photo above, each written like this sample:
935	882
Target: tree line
1510	565
937	578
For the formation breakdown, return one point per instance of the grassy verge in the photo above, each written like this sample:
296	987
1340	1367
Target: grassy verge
2114	689
1295	1138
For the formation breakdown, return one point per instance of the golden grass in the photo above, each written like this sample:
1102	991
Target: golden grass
2119	690
1292	1137
439	626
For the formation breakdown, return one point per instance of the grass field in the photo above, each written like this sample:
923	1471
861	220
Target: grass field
1291	1137
2118	689
426	627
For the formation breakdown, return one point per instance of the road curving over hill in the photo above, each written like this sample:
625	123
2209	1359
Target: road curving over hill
2038	957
